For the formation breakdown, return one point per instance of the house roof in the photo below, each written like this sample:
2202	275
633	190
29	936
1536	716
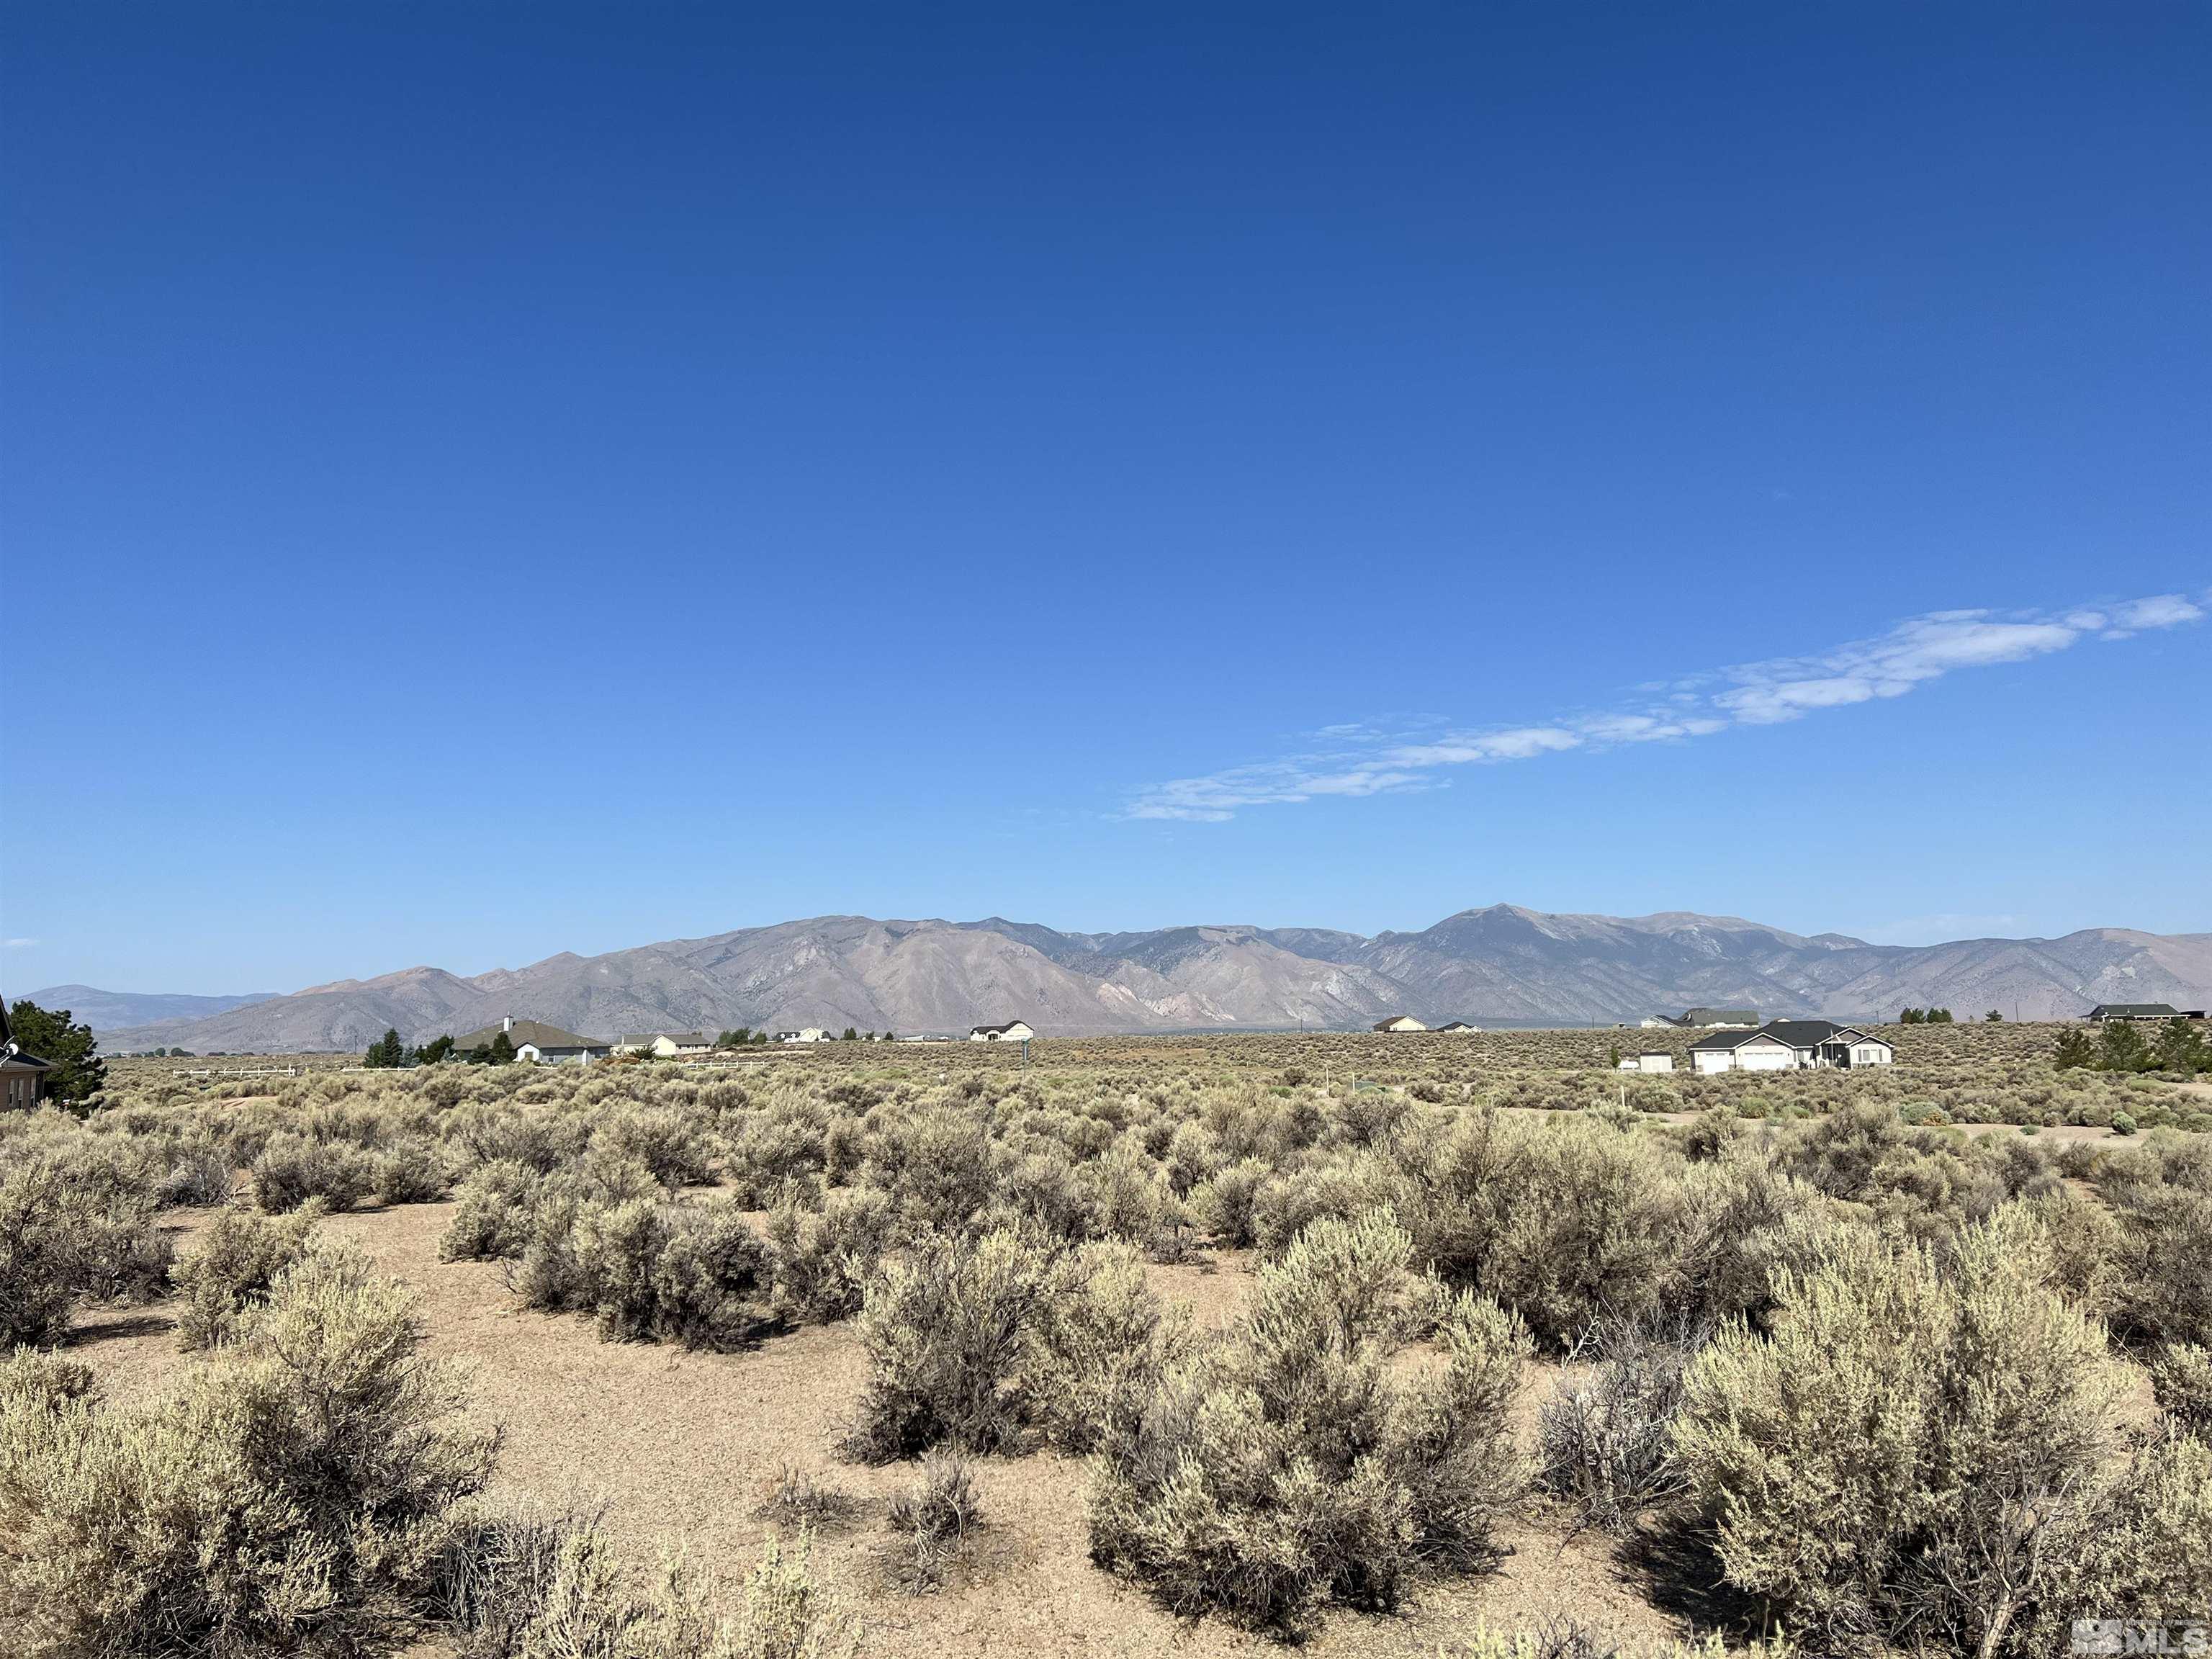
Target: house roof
1458	1025
19	1059
1398	1019
985	1031
1796	1033
1720	1017
2134	1010
698	1039
535	1032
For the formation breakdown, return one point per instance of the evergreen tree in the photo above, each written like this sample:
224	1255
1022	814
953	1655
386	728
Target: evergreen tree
76	1071
436	1049
2180	1048
1993	1018
386	1053
2122	1048
851	1036
2075	1050
501	1052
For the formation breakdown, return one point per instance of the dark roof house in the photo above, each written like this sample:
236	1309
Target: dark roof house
531	1034
1719	1016
20	1074
2104	1011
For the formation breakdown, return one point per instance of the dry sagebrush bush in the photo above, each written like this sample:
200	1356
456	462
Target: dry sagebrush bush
944	1325
530	1583
651	1271
1913	1453
241	1255
294	1168
930	1521
1289	1466
291	1494
492	1219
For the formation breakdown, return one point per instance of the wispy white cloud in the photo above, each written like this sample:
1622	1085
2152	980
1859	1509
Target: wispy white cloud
17	944
1358	758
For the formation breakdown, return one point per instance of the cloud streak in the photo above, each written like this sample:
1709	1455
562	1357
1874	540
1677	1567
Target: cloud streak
1356	759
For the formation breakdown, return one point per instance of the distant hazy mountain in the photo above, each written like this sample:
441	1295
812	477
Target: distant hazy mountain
107	1011
1499	964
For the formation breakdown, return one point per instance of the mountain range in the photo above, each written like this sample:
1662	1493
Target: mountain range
1497	965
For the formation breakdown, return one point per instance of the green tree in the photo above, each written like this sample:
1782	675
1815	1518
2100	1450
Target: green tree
2075	1050
851	1036
77	1072
2180	1047
1993	1018
386	1053
2122	1048
501	1052
438	1049
1909	1017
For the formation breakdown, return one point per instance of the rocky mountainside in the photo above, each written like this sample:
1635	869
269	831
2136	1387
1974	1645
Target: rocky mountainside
1499	964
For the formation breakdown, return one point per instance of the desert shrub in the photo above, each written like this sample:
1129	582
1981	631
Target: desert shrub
1224	1204
1097	1347
2181	1378
795	1497
1565	1640
1606	1439
1906	1453
241	1255
533	1584
64	1239
291	1494
198	1176
938	1166
2161	1196
1286	1467
2144	1544
293	1169
666	1141
651	1271
44	1380
2123	1124
931	1520
411	1170
492	1219
822	1259
781	1151
944	1325
1563	1222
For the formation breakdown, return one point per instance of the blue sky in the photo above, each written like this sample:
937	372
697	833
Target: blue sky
479	481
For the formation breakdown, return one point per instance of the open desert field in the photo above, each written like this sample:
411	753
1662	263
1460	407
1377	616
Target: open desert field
1398	1345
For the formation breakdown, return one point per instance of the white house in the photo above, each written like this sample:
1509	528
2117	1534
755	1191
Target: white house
1459	1025
1652	1060
536	1042
1014	1031
1400	1022
1789	1045
667	1045
810	1034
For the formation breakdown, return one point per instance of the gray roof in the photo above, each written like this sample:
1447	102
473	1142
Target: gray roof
1796	1033
987	1030
1720	1017
20	1060
2135	1011
536	1032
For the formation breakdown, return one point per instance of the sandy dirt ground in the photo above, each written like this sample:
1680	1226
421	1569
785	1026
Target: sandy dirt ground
679	1447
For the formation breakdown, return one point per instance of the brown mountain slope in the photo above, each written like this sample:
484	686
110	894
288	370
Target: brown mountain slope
1498	964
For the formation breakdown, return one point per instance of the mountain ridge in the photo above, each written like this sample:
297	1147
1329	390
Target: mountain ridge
1495	963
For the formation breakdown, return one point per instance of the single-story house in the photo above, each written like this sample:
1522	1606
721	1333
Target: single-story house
1400	1023
1014	1031
1660	1023
1789	1045
22	1075
667	1045
808	1034
1458	1025
1721	1018
538	1043
2105	1012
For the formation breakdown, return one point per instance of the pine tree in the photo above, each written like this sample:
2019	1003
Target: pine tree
76	1072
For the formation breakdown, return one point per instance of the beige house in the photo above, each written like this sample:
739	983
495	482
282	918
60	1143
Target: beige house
667	1045
1014	1031
1400	1023
805	1034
